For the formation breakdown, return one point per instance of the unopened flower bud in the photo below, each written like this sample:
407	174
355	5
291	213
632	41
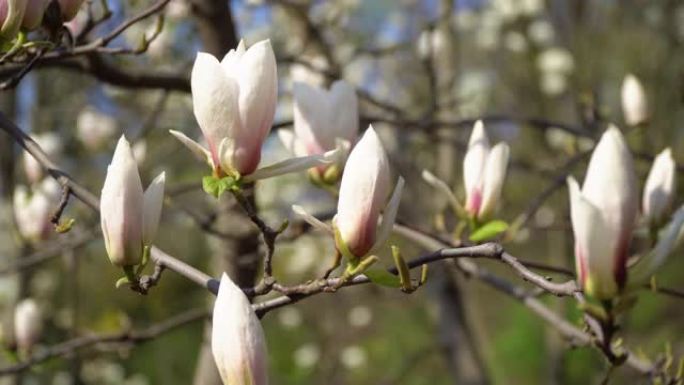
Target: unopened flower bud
28	324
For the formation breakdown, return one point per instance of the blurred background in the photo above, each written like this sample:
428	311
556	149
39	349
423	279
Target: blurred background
546	77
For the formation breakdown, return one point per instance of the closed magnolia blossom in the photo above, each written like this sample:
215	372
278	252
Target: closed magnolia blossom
634	102
364	191
237	338
52	145
11	17
28	324
33	209
323	121
484	171
129	217
603	217
234	101
660	188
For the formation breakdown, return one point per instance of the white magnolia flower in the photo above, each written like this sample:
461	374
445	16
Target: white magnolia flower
129	217
234	102
237	338
484	171
603	216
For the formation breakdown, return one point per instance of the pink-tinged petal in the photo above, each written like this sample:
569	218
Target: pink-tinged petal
215	102
474	166
153	201
660	188
634	102
311	118
121	208
258	88
363	193
493	179
593	254
610	186
237	339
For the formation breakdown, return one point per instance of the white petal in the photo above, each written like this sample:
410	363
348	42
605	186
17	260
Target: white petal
154	200
200	152
610	185
343	111
634	102
291	142
310	219
312	122
363	193
291	165
594	256
441	186
215	101
668	241
660	187
258	83
475	161
121	207
494	176
388	217
237	339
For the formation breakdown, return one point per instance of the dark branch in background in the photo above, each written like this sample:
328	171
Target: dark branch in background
125	337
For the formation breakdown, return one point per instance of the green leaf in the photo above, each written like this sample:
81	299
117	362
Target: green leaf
383	278
210	184
489	230
122	281
215	186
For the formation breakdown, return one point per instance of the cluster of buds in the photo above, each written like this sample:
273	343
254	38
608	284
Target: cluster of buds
604	217
27	15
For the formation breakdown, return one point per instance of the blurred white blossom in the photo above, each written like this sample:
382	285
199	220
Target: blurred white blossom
94	129
307	356
52	145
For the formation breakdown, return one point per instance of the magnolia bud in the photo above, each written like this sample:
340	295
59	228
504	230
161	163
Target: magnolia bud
234	103
484	171
634	103
28	324
11	16
237	339
33	211
129	218
363	194
660	188
603	216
